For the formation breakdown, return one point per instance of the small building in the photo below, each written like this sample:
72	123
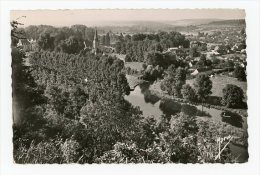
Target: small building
194	44
26	44
195	72
171	50
243	51
242	65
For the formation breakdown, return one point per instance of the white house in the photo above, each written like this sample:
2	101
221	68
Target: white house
195	72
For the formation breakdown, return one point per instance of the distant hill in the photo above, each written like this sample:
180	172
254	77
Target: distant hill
183	22
186	22
229	22
153	26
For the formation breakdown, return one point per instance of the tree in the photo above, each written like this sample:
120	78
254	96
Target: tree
71	45
46	42
243	31
188	93
103	40
174	81
180	79
16	32
57	98
182	138
107	40
240	73
153	58
202	61
194	52
232	96
203	86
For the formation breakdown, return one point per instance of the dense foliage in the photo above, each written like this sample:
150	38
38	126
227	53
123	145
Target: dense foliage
69	104
137	46
233	96
80	123
174	81
188	93
64	39
240	73
203	86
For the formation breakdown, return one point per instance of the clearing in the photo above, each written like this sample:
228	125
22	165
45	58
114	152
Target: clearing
220	81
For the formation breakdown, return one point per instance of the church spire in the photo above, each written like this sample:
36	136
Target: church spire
96	35
95	42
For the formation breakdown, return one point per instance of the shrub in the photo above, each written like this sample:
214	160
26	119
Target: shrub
130	153
52	151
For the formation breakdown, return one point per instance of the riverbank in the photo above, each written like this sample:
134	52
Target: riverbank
156	90
240	134
134	81
156	106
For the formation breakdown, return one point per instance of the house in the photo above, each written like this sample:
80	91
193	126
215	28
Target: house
172	50
26	44
195	72
194	44
149	68
243	51
212	76
190	64
242	65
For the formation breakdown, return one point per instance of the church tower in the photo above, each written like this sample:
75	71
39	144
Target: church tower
95	42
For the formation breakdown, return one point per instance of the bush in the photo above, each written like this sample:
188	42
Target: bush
130	153
232	96
52	151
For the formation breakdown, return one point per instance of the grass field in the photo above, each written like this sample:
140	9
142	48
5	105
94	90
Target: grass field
220	81
133	81
134	65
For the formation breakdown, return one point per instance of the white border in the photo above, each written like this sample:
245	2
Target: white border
7	167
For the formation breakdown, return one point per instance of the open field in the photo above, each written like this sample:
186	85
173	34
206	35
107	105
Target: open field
133	81
134	65
220	81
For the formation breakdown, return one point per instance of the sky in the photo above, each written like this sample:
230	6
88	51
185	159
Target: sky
104	17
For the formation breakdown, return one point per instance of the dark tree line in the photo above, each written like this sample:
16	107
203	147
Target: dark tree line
136	46
65	39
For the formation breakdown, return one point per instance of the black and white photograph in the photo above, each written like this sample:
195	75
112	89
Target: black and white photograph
130	86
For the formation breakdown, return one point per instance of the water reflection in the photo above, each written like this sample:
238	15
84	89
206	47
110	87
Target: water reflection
169	107
233	119
161	109
152	105
148	96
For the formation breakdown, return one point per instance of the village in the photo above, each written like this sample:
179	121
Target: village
152	77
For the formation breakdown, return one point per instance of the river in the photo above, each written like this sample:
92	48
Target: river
153	106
